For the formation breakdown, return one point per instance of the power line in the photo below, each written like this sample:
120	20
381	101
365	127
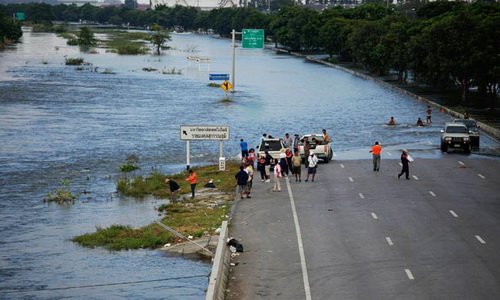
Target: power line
101	284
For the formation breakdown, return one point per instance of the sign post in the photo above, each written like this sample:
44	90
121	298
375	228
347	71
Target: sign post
251	38
190	133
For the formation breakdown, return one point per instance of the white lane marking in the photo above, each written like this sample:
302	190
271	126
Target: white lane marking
429	142
480	239
409	274
416	178
342	166
350	179
461	163
305	276
389	241
361	196
453	214
432	193
417	133
400	164
374	216
389	153
482	176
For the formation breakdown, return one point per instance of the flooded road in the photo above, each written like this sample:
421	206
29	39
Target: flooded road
59	123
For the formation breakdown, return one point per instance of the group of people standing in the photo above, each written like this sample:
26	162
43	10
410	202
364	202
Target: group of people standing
289	160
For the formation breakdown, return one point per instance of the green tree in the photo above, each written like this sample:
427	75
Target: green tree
88	12
159	37
130	4
331	35
396	45
364	44
41	13
86	37
71	13
9	30
296	28
450	50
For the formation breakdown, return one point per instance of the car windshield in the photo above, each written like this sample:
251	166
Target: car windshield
468	123
270	146
456	129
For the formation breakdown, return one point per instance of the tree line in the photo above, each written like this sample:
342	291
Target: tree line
445	44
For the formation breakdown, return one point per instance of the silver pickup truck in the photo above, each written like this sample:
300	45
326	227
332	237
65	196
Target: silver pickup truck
321	149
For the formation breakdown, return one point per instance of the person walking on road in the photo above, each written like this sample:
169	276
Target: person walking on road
312	165
428	111
241	181
376	156
267	166
251	157
244	148
404	161
174	189
277	177
296	165
307	149
192	179
249	170
261	165
296	142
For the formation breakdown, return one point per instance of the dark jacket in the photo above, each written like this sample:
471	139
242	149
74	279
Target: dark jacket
242	177
173	186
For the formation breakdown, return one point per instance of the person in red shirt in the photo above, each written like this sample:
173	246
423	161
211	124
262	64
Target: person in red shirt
376	156
192	179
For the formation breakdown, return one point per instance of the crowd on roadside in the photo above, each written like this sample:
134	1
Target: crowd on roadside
288	165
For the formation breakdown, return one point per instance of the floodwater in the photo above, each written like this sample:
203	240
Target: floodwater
59	123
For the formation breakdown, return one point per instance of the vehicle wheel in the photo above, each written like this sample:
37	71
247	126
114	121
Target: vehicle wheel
467	150
444	148
327	159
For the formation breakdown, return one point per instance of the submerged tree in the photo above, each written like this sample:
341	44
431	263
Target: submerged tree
86	37
159	37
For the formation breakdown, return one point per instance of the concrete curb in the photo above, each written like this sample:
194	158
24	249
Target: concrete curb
220	268
489	130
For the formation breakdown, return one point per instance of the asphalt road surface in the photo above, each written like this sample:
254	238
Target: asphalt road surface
359	234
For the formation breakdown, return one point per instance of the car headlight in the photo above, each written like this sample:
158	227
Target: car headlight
447	138
466	139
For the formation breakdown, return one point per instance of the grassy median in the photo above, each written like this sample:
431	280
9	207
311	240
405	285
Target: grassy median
194	217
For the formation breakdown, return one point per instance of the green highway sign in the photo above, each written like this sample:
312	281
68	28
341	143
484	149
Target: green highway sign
20	16
252	38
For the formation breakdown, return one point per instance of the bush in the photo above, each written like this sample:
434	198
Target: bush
62	195
128	167
72	42
131	49
74	61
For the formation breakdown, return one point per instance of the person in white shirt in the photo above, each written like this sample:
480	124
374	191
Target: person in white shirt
313	164
249	170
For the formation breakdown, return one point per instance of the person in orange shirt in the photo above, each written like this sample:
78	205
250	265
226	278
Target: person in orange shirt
376	156
192	179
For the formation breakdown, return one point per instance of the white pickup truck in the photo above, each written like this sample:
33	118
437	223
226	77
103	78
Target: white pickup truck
272	146
321	149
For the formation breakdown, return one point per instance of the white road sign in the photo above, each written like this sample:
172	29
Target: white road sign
202	133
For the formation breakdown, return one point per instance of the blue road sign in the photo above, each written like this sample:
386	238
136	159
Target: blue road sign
219	76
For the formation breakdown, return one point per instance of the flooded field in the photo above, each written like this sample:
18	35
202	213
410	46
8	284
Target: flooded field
59	123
